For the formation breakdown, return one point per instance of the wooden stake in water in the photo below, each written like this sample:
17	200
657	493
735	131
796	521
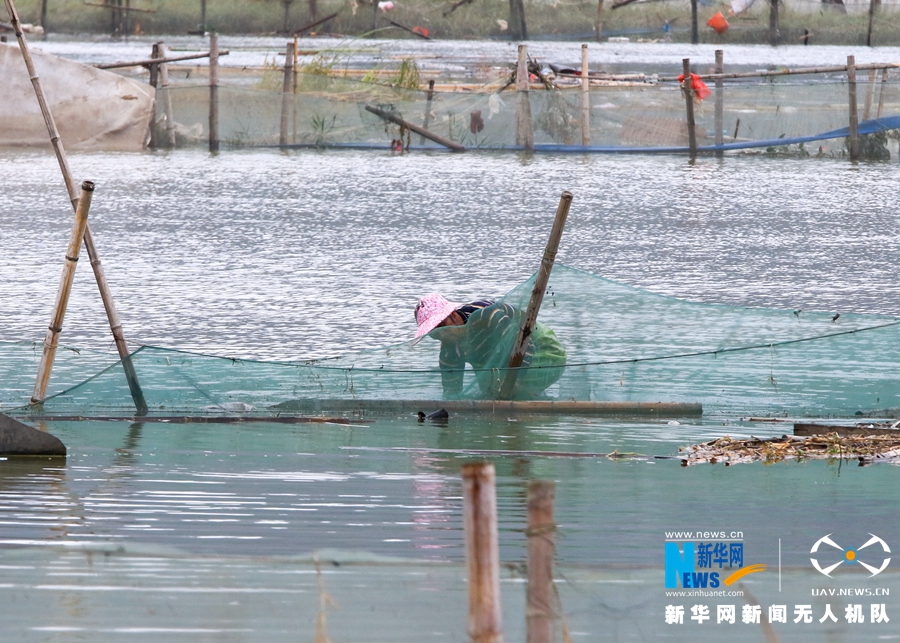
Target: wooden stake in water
213	92
154	81
688	88
111	314
524	126
427	120
167	97
872	5
720	102
286	93
585	98
537	297
695	30
854	118
482	552
62	293
540	616
598	21
773	22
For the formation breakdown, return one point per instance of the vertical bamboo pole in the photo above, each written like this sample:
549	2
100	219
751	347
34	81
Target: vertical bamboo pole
154	81
524	127
585	98
482	552
44	17
870	94
537	296
286	94
62	294
105	293
213	92
720	102
881	93
427	120
598	21
203	15
688	88
540	617
295	70
695	27
773	22
167	97
871	21
854	118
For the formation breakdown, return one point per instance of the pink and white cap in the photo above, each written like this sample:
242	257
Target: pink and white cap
431	311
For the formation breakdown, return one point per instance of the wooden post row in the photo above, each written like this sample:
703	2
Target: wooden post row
167	97
482	552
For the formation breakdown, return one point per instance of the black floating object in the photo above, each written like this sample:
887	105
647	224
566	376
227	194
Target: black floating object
440	416
20	439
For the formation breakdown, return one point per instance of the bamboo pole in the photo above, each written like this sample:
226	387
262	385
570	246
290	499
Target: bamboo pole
482	552
295	70
286	95
773	23
156	60
720	102
427	120
213	92
524	126
62	294
317	23
871	22
854	118
585	98
881	93
154	81
456	147
598	21
540	617
167	97
695	27
786	72
105	293
688	88
537	297
870	94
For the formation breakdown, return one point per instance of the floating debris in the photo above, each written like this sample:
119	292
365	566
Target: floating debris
865	448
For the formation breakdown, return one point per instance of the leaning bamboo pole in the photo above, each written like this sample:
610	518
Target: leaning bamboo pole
115	325
62	293
537	297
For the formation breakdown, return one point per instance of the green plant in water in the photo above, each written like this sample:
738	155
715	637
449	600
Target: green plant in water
407	75
322	126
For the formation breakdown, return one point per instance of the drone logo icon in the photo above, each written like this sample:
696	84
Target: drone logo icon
850	556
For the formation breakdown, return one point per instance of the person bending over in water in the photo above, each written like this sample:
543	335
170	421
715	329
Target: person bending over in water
482	333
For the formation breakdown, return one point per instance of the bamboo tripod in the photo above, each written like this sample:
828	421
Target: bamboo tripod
115	325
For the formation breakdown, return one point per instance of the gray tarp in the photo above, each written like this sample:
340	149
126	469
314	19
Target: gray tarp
93	109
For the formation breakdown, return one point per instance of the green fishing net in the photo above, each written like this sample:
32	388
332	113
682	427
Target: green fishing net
597	341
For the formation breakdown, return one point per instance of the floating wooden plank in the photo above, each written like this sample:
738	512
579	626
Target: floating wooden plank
806	429
20	439
515	407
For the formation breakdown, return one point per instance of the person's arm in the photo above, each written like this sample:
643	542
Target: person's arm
452	363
